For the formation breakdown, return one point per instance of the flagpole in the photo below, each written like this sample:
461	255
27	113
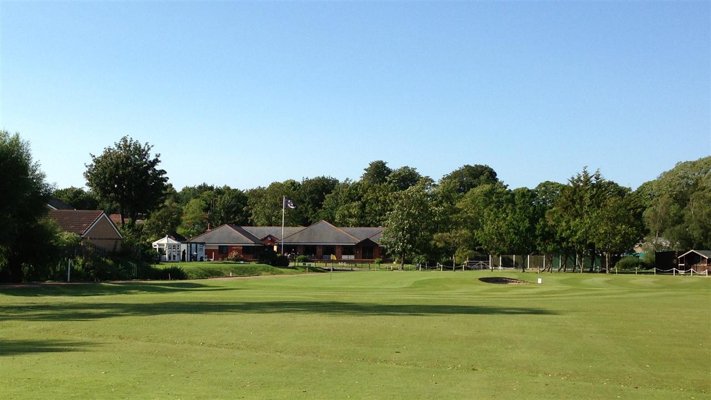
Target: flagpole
283	209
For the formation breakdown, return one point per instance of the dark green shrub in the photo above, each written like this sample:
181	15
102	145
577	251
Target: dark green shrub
173	272
628	263
281	261
269	256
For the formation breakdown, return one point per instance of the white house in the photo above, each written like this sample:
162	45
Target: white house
168	248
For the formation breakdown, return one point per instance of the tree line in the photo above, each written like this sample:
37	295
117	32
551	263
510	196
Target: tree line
468	211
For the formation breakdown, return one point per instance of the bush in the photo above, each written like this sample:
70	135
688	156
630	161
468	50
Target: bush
281	261
235	256
628	263
302	259
268	256
170	273
649	259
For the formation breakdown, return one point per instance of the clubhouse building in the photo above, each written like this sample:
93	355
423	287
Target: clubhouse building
319	241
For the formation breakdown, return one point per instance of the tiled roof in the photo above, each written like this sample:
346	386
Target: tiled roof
263	231
321	232
363	233
228	234
75	221
56	204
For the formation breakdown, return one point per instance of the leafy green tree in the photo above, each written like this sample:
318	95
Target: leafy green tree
573	216
547	242
407	231
166	219
508	220
190	192
594	216
23	204
265	204
376	173
78	198
127	174
341	206
619	223
403	178
469	177
311	197
677	207
358	204
229	207
376	202
194	220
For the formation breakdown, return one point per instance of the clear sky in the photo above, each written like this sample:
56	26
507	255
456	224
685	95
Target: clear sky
248	93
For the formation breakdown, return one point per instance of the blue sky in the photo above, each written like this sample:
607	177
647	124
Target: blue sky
247	93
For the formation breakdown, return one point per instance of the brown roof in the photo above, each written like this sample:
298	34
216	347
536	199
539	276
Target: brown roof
75	221
262	232
321	232
228	235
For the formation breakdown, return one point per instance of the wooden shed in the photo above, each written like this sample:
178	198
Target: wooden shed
698	260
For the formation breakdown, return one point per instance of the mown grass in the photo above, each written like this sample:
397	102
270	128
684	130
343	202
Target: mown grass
377	335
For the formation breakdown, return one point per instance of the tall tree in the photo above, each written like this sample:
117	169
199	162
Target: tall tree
677	206
619	223
311	197
594	216
546	196
468	177
403	178
194	220
573	216
408	232
128	175
342	205
78	198
508	220
265	204
376	173
23	204
229	207
166	219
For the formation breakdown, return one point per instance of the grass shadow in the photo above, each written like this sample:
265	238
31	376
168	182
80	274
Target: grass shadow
18	347
93	311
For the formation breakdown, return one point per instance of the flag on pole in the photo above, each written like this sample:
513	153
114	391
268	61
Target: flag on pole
289	203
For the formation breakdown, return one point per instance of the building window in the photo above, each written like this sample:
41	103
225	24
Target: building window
222	249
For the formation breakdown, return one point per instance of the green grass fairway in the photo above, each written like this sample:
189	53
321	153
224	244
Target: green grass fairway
361	335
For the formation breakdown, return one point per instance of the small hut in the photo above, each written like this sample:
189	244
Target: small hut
698	260
168	249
